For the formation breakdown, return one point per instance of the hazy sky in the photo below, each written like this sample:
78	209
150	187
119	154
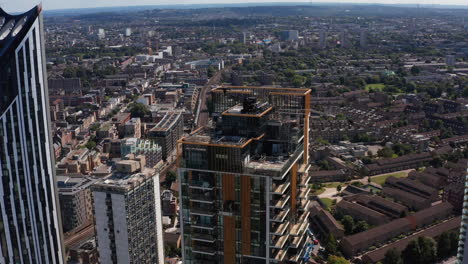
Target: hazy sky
23	5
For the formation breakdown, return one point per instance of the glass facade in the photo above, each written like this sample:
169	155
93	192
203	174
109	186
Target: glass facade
30	231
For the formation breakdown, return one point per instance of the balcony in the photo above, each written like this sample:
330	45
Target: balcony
281	188
305	179
304	194
210	251
202	211
301	225
201	185
202	226
279	256
203	238
281	203
280	217
201	198
303	205
298	240
279	241
279	230
275	166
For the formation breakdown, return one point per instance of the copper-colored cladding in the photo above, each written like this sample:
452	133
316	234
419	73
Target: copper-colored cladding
293	188
229	189
229	230
306	127
245	213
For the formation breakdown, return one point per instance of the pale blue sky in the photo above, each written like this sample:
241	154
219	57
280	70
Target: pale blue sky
23	5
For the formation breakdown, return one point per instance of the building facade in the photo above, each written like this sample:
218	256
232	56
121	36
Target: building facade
167	132
462	254
244	182
75	201
127	212
29	212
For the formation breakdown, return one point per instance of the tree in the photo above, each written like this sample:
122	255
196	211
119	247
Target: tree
90	144
331	246
139	110
211	71
392	256
170	178
415	70
332	259
420	251
411	252
385	152
443	245
360	226
338	188
428	248
348	224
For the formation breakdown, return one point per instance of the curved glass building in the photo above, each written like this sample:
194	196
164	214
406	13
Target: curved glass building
29	221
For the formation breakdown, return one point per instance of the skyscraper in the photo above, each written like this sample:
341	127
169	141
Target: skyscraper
30	231
244	182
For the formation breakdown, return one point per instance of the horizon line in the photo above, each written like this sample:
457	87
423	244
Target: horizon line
274	3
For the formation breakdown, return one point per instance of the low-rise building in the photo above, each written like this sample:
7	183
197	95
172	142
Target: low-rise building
376	236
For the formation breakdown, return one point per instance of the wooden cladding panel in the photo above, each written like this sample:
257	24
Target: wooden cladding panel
245	213
293	188
229	230
229	189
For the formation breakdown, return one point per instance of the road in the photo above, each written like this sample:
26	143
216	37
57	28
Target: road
203	117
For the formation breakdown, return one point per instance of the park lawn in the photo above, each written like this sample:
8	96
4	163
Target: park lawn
319	191
375	86
334	184
381	179
327	202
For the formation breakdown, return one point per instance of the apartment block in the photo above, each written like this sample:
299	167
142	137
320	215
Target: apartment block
167	132
243	197
127	210
75	201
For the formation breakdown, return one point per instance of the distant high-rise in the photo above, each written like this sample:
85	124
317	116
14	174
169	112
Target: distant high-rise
101	34
30	222
244	183
289	35
128	32
450	60
323	39
363	39
344	38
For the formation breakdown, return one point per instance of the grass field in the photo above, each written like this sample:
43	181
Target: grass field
375	86
381	179
319	191
327	201
334	184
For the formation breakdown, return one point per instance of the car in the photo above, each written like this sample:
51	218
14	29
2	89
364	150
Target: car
316	242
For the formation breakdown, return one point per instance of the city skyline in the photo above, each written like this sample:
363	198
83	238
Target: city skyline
22	5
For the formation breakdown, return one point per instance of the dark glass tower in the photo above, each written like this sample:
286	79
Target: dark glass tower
29	222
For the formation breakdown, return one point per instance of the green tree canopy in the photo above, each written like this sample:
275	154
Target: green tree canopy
336	260
139	110
392	256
